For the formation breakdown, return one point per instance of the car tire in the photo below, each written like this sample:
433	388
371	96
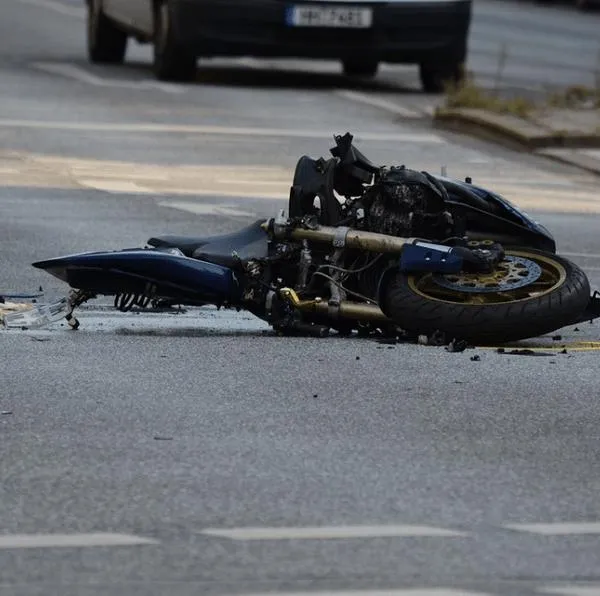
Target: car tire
435	77
360	68
106	42
171	61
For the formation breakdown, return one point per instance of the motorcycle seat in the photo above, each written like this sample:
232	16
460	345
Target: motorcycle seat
249	242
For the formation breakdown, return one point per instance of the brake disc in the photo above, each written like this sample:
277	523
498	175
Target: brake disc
512	273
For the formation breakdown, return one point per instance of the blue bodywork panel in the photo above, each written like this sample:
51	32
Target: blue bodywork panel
167	274
423	256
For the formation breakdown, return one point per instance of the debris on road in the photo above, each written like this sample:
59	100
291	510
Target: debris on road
475	358
29	315
524	352
457	345
6	413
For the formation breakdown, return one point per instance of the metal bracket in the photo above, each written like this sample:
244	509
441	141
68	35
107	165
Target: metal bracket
339	239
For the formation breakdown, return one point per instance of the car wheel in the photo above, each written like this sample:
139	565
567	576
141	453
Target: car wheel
360	68
171	61
106	42
437	76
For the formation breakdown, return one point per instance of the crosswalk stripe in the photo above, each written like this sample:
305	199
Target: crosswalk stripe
397	592
332	532
407	137
572	590
376	102
83	76
557	528
10	541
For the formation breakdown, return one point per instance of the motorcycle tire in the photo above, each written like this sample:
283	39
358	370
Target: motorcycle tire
418	304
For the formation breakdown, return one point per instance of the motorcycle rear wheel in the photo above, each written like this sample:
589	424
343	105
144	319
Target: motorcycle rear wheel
557	298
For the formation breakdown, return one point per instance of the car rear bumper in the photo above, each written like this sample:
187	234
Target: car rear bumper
411	32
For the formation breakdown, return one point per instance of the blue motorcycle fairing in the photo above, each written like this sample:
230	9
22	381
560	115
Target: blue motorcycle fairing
498	206
157	272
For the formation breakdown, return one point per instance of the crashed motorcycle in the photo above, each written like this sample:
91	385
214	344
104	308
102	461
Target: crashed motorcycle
361	248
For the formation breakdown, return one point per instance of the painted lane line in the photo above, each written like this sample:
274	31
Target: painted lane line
206	209
579	255
398	592
376	102
83	76
9	541
572	590
70	11
219	192
116	186
332	532
558	528
425	138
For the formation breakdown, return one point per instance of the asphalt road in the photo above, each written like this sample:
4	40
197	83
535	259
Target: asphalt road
193	453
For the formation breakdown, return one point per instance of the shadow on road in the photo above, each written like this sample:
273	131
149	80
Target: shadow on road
281	77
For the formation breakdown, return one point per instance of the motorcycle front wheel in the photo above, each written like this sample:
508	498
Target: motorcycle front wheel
529	294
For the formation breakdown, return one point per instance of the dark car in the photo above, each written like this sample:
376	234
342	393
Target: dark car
360	33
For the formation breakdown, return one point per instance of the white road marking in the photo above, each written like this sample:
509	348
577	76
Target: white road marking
9	541
206	209
70	11
558	528
579	255
332	532
83	76
425	138
115	186
376	102
399	592
572	590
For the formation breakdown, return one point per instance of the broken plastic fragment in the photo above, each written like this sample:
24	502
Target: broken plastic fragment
32	316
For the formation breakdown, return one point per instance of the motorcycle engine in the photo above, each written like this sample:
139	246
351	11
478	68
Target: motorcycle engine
404	202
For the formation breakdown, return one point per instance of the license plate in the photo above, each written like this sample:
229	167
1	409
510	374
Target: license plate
311	15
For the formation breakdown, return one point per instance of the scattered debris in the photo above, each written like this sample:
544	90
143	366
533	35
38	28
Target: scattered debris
315	395
457	345
475	358
40	339
524	352
437	338
556	337
163	438
6	413
576	329
26	315
358	357
563	351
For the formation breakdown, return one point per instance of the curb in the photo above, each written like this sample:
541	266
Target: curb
581	161
511	129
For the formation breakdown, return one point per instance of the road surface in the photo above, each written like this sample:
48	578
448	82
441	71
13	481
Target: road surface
194	453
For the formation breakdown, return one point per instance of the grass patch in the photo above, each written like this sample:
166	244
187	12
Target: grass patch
574	97
469	95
